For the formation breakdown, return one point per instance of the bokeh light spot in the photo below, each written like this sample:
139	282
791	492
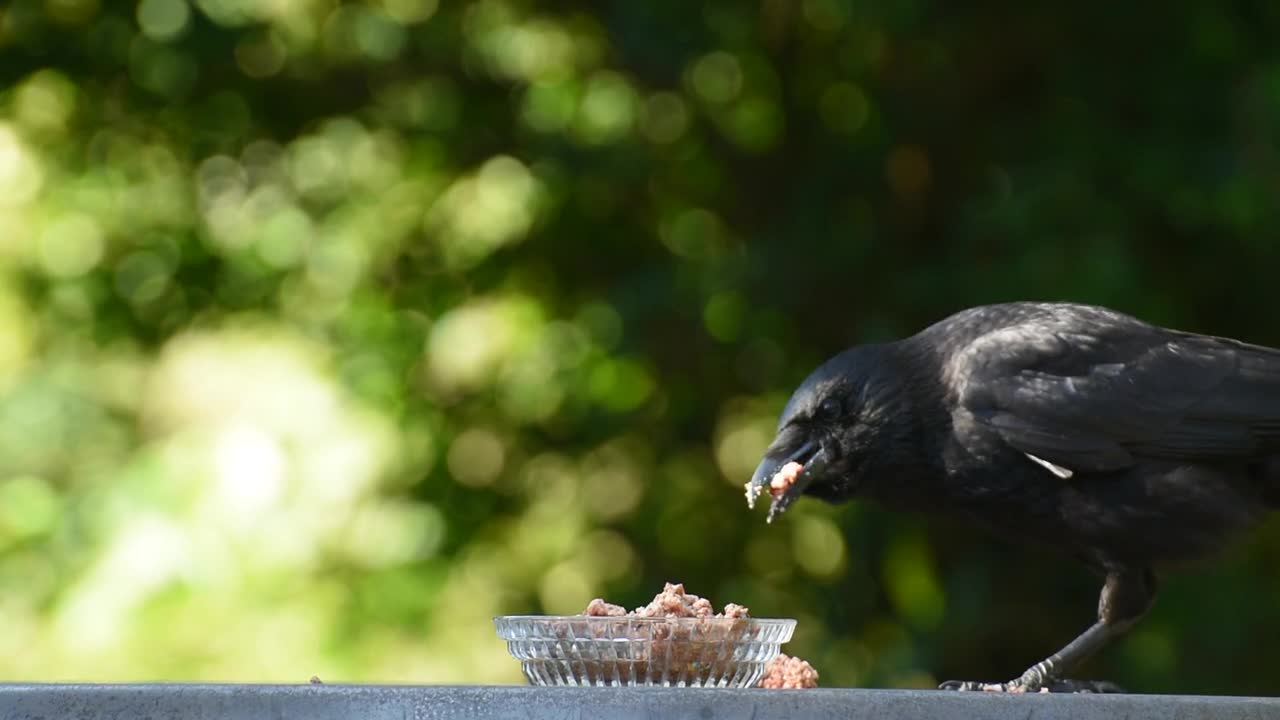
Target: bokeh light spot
142	277
610	554
410	11
611	483
845	108
717	77
565	589
467	344
550	103
163	19
607	110
71	246
476	457
741	439
250	466
723	316
260	55
479	214
45	101
696	233
391	532
283	240
28	506
818	546
378	36
664	118
21	175
529	389
603	322
620	384
755	123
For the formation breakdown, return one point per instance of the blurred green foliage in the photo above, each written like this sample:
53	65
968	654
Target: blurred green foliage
332	329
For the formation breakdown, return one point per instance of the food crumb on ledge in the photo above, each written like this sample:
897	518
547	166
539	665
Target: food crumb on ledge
788	673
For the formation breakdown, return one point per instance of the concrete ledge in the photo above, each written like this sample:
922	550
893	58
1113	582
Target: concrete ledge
374	702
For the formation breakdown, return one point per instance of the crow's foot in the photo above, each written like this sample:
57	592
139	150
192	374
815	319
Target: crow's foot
1020	686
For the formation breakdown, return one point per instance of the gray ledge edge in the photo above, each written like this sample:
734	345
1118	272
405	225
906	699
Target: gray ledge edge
479	702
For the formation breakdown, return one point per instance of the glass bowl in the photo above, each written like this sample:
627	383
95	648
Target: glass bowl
581	650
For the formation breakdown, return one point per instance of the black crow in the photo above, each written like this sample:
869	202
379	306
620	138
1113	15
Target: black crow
1127	445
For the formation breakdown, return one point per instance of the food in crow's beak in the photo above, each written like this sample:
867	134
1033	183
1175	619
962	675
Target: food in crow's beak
788	673
778	484
785	478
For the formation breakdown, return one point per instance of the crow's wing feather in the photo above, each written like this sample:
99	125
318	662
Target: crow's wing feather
1089	403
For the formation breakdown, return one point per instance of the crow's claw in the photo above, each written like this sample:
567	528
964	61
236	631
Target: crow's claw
1017	686
963	685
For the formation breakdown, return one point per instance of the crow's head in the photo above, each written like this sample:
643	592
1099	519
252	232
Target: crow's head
837	425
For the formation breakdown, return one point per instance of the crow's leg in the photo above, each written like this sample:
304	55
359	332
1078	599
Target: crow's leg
1125	598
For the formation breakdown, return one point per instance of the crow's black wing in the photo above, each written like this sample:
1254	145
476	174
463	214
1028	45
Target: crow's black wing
1089	401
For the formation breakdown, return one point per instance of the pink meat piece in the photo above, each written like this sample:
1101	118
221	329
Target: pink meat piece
672	602
599	608
788	673
784	478
702	608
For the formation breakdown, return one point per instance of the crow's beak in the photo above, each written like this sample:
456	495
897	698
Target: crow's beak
810	455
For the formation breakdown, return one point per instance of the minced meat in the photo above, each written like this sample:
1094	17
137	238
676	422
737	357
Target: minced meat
778	484
672	602
670	651
600	608
788	673
785	478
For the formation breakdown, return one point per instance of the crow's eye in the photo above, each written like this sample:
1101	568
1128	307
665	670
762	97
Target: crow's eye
829	409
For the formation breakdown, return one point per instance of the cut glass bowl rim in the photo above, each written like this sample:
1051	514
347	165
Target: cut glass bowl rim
635	618
552	627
